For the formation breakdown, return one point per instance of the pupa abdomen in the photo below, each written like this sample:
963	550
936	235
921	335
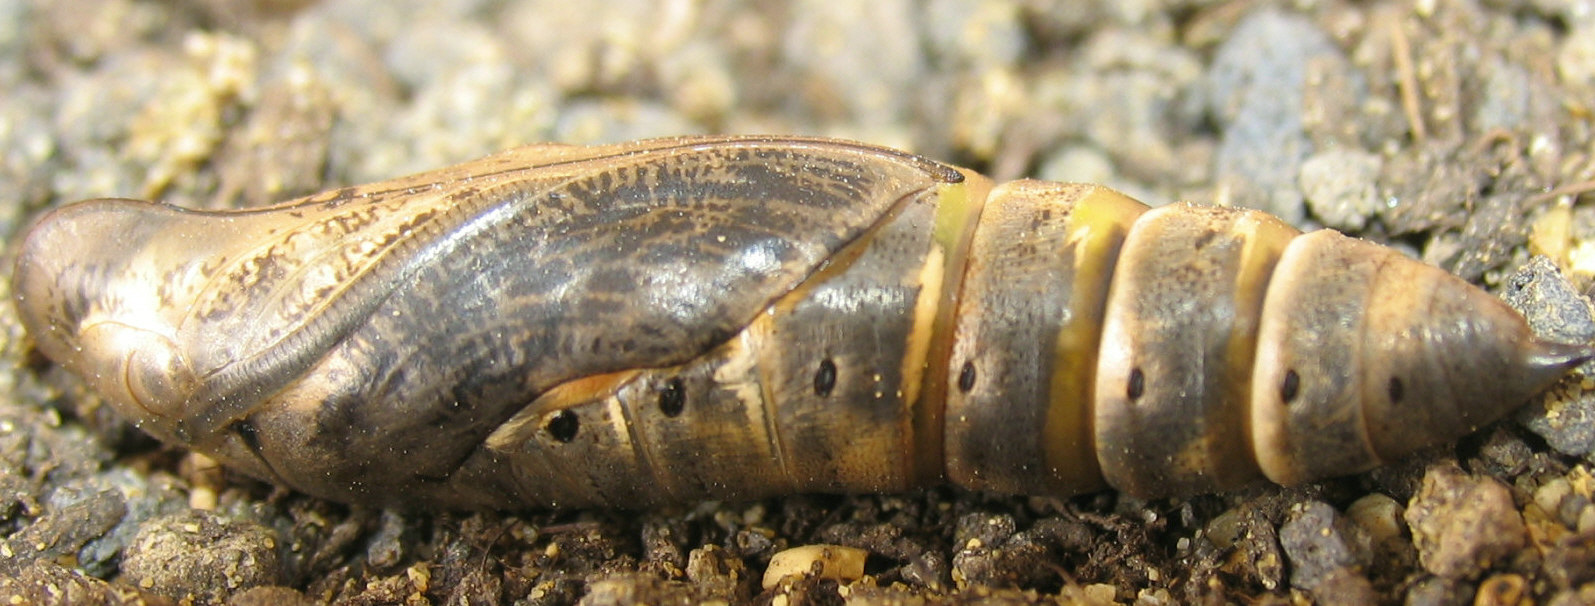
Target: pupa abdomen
734	317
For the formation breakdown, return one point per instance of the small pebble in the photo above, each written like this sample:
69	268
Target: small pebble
1463	525
1556	311
1326	552
1256	89
844	564
1341	187
201	556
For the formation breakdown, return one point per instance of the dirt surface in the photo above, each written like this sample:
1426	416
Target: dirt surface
1460	131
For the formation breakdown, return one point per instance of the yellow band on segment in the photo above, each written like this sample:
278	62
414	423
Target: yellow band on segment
1266	238
957	213
1097	226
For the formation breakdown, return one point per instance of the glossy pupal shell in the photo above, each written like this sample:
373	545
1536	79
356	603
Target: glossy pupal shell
726	317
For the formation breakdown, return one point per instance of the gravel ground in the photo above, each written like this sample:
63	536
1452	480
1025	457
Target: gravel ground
1460	131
